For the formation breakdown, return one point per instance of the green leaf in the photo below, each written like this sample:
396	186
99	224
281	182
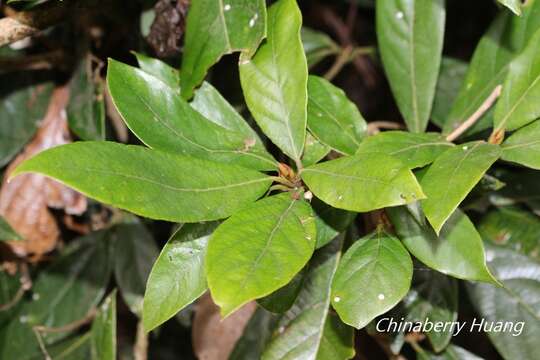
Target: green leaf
22	107
150	183
62	293
514	5
365	285
517	303
457	251
209	102
216	28
281	234
282	299
518	104
86	108
135	251
257	334
303	330
330	222
176	127
523	146
434	297
363	182
177	278
512	228
314	151
74	348
505	38
414	150
452	176
317	46
452	352
6	231
410	36
274	82
333	118
337	340
159	69
451	77
103	333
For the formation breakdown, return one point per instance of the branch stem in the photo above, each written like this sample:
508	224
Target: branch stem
490	100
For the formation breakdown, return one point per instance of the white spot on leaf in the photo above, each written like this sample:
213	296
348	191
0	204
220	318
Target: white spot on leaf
227	7
381	297
399	15
337	299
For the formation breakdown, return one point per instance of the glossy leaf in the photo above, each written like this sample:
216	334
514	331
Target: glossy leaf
333	118
518	104
523	146
302	331
159	69
513	228
452	176
211	104
514	5
363	182
6	231
410	36
317	45
451	77
19	120
365	284
314	151
62	293
177	278
414	150
274	81
518	302
216	28
282	299
176	127
86	108
457	251
135	252
257	334
104	330
505	38
281	234
330	221
150	183
434	296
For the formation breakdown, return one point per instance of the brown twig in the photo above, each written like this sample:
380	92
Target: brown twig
375	127
344	34
118	124
21	24
26	284
43	61
68	327
476	115
140	349
341	60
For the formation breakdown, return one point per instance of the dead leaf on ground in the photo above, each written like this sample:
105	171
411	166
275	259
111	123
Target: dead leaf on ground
214	338
25	200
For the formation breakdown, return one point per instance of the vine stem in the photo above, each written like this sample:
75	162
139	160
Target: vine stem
476	115
374	127
341	60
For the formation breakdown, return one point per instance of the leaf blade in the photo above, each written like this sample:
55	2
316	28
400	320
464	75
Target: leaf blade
274	81
168	187
410	36
237	271
216	28
363	182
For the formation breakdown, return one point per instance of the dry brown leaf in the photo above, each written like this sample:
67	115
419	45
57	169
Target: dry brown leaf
214	338
25	200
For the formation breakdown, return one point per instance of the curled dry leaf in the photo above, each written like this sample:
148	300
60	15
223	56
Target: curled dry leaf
25	200
214	338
